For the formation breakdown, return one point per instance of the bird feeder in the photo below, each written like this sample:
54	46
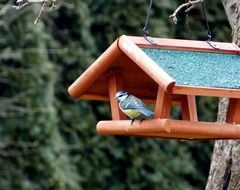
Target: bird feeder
167	72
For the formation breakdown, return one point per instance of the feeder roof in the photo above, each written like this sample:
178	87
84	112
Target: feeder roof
177	66
200	69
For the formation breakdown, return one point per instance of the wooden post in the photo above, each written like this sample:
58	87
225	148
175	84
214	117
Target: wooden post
233	114
189	109
163	104
114	85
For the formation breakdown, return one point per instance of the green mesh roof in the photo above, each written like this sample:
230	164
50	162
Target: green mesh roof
199	68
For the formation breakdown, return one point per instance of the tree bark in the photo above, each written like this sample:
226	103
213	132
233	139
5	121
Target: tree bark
224	172
230	8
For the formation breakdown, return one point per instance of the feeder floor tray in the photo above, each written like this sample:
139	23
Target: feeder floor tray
170	129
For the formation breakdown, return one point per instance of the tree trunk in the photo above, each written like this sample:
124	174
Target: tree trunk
230	7
225	167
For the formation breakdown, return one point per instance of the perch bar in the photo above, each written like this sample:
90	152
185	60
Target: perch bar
168	128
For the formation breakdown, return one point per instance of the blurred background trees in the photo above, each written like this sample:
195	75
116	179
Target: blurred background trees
48	139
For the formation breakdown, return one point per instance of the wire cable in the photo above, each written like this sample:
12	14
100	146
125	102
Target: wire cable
209	34
145	28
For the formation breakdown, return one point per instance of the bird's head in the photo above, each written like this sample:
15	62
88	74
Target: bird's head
121	95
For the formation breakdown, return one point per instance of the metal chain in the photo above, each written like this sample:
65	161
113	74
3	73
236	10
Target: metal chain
209	35
145	28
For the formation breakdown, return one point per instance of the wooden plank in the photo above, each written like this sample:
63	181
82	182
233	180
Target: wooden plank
177	91
182	137
233	115
95	71
170	128
163	104
89	79
146	63
189	109
115	85
105	97
189	45
176	137
206	91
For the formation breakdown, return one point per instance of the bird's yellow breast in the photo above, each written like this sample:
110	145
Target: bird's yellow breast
132	114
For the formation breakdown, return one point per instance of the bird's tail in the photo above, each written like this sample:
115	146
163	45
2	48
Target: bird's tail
147	113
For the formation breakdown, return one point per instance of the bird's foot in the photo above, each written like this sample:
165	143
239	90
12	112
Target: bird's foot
132	121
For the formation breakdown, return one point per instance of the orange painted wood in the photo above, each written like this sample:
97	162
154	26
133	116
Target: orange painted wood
183	137
204	91
189	108
95	71
176	99
189	45
177	137
163	104
192	108
92	81
100	97
146	63
115	85
233	115
170	129
148	75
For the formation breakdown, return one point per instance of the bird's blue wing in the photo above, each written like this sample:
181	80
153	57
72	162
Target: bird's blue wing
132	102
135	103
146	112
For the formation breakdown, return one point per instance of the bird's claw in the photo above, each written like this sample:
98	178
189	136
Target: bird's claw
132	121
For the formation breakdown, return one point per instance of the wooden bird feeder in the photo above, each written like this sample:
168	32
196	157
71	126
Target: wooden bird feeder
170	71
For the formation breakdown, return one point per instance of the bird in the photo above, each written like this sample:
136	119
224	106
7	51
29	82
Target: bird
133	107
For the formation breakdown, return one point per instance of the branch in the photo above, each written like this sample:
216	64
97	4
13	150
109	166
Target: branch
190	5
54	4
47	6
40	13
24	3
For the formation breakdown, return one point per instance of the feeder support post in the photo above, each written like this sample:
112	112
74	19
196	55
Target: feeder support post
163	104
189	109
115	84
233	114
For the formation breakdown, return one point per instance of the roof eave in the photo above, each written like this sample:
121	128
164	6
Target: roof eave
187	45
129	48
85	81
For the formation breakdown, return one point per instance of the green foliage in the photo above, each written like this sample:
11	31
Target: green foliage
31	157
48	140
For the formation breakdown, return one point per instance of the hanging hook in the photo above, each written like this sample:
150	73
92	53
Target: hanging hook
209	34
145	28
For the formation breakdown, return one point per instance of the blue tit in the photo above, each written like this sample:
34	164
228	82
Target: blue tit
133	107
